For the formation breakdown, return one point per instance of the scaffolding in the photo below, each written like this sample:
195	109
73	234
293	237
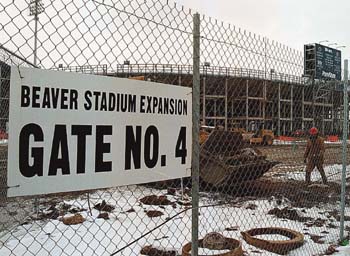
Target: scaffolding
246	98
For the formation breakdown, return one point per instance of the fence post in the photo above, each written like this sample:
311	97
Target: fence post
195	132
35	8
345	134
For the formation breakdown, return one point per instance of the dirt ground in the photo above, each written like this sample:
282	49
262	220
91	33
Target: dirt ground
280	191
293	154
291	160
297	191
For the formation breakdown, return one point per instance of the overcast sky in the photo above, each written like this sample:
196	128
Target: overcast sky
291	22
83	33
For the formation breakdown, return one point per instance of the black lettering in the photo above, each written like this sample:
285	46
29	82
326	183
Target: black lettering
124	103
149	104
133	147
59	142
46	99
171	106
118	101
36	97
176	107
81	131
160	107
179	107
55	93
151	160
64	98
132	103
103	102
97	95
102	148
111	101
185	107
37	153
25	96
73	101
180	149
166	106
88	104
142	104
155	104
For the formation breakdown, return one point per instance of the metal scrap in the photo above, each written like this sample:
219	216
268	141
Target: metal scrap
281	247
226	159
216	241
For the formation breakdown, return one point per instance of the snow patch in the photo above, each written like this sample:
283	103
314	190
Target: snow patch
103	237
343	251
333	173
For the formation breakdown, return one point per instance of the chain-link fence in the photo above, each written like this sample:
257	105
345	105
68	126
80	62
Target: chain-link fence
255	111
256	159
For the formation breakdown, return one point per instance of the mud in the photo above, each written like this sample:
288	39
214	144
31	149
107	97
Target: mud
151	251
155	200
104	207
288	213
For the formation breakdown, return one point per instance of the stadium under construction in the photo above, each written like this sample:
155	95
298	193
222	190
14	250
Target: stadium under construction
239	98
245	98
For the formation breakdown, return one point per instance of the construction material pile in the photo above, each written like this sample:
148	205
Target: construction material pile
225	159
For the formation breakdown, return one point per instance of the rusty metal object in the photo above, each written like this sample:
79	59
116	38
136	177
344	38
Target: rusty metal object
226	159
280	247
215	241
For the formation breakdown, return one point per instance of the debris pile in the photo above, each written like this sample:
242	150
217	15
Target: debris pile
154	214
54	211
73	220
155	200
104	207
226	159
289	214
103	215
152	251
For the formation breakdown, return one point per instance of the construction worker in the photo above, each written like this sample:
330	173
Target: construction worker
314	155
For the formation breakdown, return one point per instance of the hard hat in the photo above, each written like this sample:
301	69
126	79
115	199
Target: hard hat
313	131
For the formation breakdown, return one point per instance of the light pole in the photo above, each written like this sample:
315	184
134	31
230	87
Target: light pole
35	8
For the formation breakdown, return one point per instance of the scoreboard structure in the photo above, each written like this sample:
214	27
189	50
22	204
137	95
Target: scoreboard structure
322	62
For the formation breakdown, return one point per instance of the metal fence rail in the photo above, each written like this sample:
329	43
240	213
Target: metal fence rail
248	93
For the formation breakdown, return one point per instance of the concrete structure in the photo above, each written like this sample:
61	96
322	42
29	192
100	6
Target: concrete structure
247	98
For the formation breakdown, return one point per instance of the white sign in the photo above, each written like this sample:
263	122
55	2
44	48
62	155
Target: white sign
71	132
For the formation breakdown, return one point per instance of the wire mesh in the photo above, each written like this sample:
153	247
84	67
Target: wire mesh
102	38
257	157
256	109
